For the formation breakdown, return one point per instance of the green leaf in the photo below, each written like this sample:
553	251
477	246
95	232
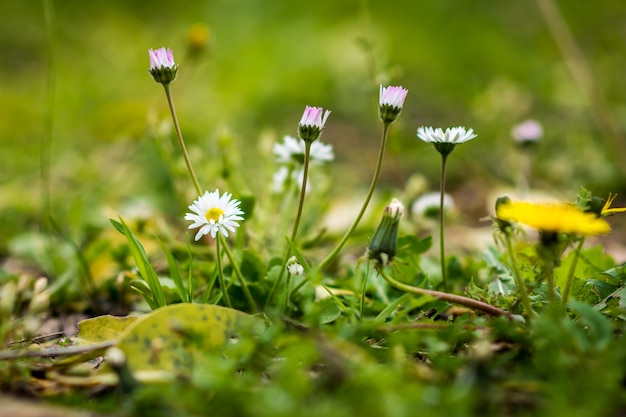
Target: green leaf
392	306
598	326
185	295
171	338
102	328
326	310
413	244
141	260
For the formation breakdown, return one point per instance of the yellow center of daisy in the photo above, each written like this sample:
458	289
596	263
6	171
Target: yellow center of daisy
213	213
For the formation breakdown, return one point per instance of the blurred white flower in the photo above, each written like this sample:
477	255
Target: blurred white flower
428	204
292	150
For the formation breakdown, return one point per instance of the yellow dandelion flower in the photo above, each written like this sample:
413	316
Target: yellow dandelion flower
557	218
607	211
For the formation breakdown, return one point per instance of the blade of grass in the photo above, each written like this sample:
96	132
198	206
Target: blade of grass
141	259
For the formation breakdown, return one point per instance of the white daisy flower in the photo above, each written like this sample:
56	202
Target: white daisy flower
292	149
454	135
428	204
213	213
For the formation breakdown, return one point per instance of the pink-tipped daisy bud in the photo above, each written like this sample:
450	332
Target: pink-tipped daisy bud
527	133
382	246
312	123
390	102
162	65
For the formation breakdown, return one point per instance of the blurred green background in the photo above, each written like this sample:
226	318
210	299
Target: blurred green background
78	88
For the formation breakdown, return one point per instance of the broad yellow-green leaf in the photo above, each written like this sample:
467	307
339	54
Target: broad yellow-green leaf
103	328
170	338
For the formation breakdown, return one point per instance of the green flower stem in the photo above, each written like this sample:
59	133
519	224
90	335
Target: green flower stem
570	274
296	224
442	249
179	136
305	175
220	273
286	203
363	289
444	296
381	153
238	273
518	276
287	293
46	143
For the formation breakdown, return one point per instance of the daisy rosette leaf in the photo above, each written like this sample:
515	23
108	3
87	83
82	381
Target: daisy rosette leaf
214	213
291	150
312	123
162	65
552	218
390	102
445	142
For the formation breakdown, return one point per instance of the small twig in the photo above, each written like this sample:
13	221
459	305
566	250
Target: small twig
38	339
423	326
55	353
451	298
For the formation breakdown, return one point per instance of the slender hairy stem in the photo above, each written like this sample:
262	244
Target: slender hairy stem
451	298
179	136
363	290
233	263
442	249
518	276
381	153
552	289
220	272
296	224
305	175
46	143
287	293
572	269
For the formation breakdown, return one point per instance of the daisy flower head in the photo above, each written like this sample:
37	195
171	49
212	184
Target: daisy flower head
428	204
390	102
527	133
292	150
214	213
312	123
551	217
162	65
445	142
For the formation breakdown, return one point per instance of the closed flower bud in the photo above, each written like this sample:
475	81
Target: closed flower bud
390	102
294	267
312	123
162	65
382	246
